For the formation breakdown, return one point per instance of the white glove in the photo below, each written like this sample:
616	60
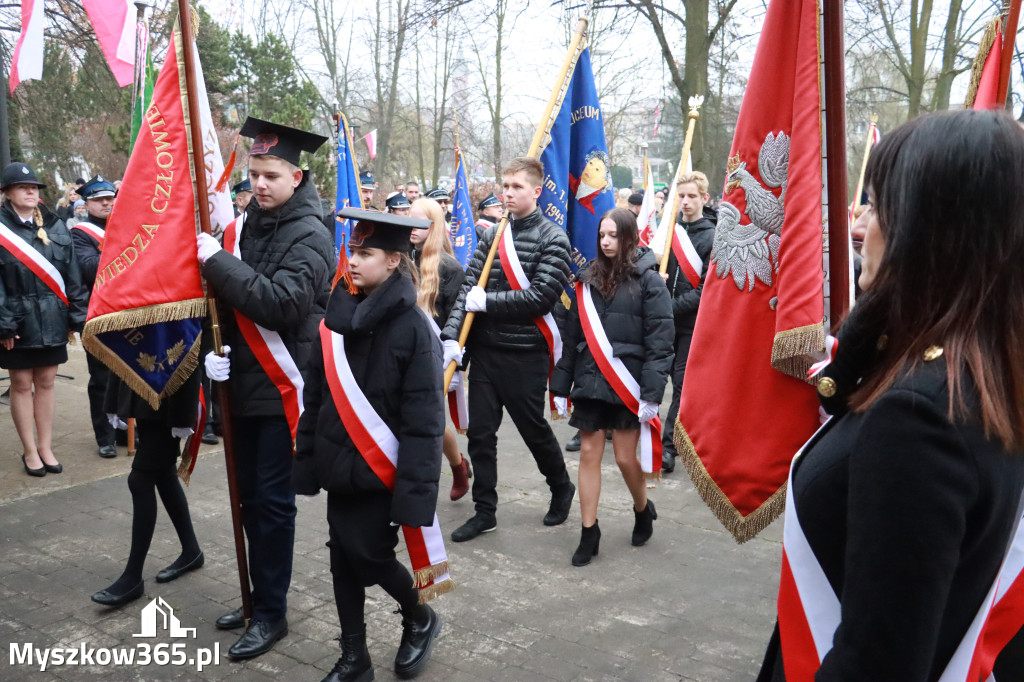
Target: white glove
451	352
647	411
116	422
206	246
562	405
181	432
456	381
476	300
218	368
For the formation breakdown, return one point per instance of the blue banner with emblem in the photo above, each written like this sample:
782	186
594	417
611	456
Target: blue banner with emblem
577	187
463	229
348	185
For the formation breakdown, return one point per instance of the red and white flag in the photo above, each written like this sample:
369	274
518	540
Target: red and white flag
747	405
647	220
371	143
114	24
27	62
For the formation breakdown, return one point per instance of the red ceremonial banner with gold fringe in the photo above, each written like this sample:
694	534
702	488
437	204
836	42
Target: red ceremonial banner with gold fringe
746	405
147	306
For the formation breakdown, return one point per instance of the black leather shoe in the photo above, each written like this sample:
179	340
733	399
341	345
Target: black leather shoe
209	437
259	638
668	462
419	629
561	503
232	620
107	451
643	527
354	664
472	528
39	473
53	468
107	598
171	573
574	443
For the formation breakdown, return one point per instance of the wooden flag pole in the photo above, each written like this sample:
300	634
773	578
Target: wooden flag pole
835	164
546	121
695	103
223	395
864	163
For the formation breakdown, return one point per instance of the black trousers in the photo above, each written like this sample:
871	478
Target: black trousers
683	339
263	457
96	389
517	382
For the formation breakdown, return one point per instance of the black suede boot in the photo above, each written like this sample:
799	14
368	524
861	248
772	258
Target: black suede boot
590	539
643	528
420	625
354	664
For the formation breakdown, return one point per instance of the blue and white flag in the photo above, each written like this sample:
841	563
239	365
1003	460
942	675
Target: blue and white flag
348	185
463	229
577	186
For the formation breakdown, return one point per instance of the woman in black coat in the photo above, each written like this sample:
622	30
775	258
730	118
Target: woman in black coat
35	323
440	277
635	310
909	496
395	359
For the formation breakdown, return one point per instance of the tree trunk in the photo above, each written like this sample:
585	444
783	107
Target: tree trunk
500	9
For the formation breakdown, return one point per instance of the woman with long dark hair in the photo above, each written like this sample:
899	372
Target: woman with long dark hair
634	312
904	505
42	300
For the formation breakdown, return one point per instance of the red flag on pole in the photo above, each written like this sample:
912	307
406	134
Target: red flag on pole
746	405
983	92
114	24
147	305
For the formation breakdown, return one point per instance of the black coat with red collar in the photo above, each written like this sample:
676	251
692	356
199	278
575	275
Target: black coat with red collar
396	361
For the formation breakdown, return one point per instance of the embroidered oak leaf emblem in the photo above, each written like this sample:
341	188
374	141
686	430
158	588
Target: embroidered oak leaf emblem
147	361
175	352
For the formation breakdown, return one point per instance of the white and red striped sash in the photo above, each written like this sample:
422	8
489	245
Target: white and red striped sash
458	408
94	231
379	447
809	610
619	378
267	345
34	261
513	270
687	256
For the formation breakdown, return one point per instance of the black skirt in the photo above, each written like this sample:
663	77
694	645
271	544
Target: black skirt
360	528
598	415
31	358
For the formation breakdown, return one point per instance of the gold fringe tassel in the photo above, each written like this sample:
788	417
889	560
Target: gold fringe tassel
436	590
425	576
183	469
988	38
743	528
793	350
140	317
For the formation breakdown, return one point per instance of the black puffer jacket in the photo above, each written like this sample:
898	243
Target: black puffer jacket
638	323
281	283
28	308
685	298
543	250
451	275
87	251
395	358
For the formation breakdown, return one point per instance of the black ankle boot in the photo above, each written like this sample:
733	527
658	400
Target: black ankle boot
354	664
420	625
643	528
590	539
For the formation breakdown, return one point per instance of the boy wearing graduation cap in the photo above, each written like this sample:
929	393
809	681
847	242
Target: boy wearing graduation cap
242	193
371	437
87	237
272	278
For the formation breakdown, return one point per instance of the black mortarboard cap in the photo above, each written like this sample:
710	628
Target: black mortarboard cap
278	140
18	173
243	186
397	200
375	230
97	188
489	200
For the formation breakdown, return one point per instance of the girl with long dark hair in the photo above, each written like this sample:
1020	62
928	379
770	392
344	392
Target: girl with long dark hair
634	310
904	505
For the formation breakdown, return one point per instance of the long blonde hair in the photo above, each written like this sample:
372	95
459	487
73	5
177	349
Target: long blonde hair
437	241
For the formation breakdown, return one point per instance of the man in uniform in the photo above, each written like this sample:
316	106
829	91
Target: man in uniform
243	194
693	195
441	196
398	204
510	355
274	293
367	186
412	190
489	211
87	237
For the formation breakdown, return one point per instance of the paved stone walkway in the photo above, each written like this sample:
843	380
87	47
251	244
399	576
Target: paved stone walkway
691	605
